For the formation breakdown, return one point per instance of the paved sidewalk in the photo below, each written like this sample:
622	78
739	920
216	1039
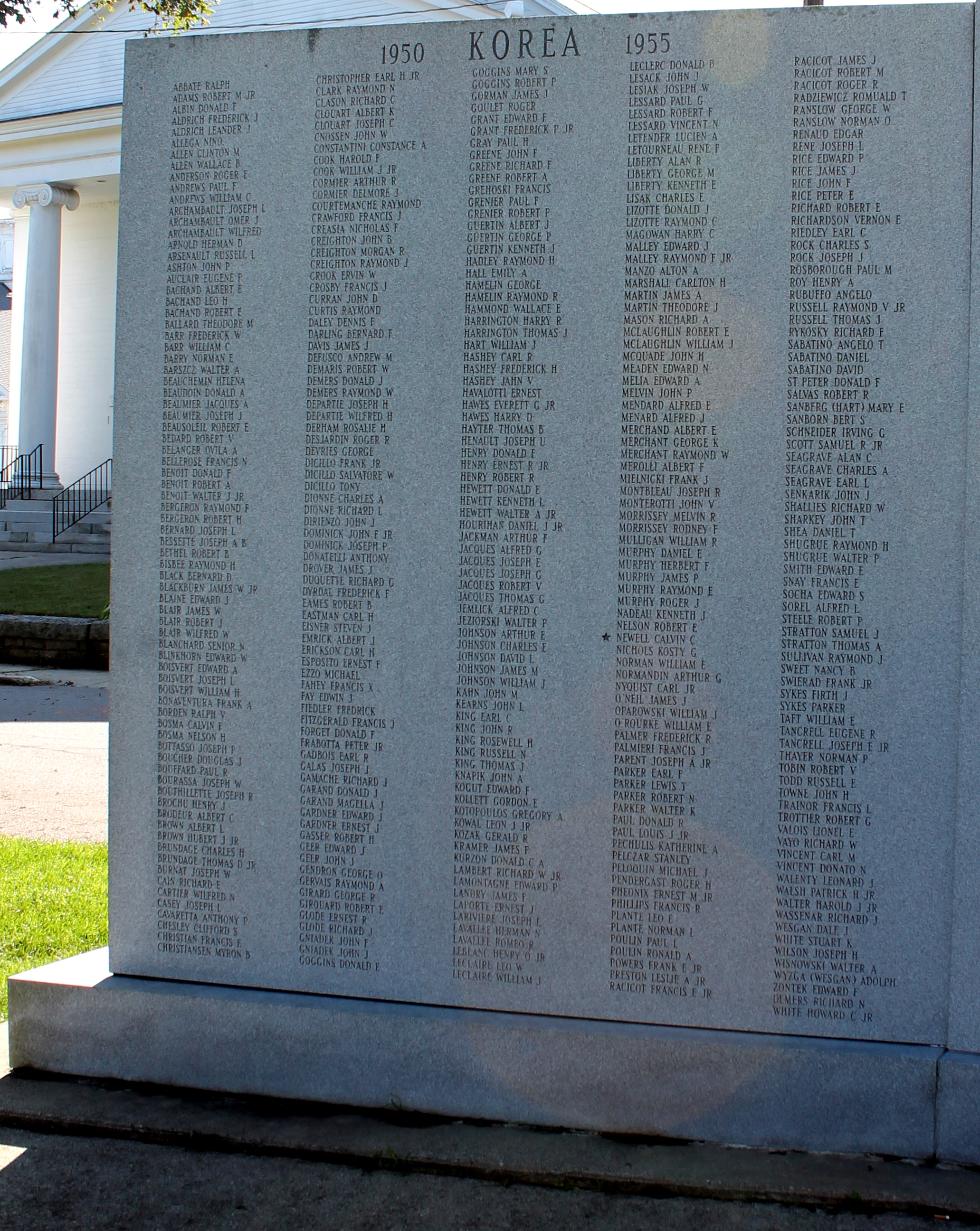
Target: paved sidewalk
53	753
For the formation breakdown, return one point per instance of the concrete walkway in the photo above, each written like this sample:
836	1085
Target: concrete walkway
53	753
57	1183
53	739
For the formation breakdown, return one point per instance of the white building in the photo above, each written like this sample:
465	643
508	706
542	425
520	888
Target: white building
60	127
6	280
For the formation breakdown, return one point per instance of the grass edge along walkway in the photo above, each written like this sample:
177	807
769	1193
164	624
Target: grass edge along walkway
56	590
53	903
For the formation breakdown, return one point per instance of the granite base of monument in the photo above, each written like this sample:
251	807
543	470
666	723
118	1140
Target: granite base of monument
958	1112
721	1086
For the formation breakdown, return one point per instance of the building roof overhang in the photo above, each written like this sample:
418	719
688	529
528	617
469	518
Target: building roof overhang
64	147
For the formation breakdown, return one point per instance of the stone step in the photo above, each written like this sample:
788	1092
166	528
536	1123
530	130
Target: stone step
89	527
97	548
43	528
98	517
37	508
88	545
8	544
35	496
21	519
31	535
91	540
29	506
26	515
43	524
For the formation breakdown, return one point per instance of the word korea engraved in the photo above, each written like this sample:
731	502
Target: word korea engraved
545	441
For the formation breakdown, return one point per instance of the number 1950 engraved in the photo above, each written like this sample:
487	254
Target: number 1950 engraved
402	53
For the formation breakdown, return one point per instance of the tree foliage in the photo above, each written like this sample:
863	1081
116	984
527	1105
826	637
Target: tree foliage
172	15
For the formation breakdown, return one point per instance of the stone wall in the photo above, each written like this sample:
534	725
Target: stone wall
54	641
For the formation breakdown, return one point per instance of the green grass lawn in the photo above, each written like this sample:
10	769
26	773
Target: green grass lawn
53	903
62	590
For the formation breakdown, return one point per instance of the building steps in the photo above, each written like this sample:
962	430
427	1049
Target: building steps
25	525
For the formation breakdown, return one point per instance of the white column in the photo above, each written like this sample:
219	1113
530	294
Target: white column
41	291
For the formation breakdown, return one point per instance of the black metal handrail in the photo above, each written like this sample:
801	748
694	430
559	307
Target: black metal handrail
19	477
79	499
7	463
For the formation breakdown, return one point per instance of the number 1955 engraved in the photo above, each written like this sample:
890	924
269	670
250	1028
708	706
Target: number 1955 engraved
647	44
